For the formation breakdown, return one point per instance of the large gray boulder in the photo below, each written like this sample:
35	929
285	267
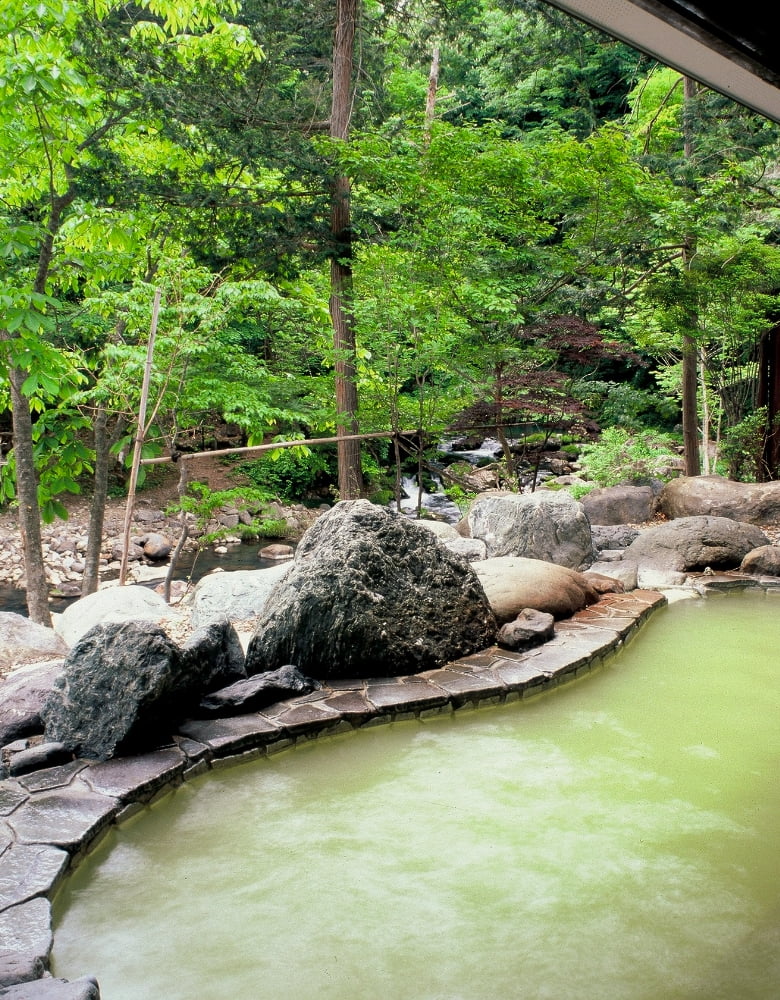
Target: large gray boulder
22	697
546	525
23	641
620	505
667	551
370	593
513	584
114	604
236	596
756	503
124	688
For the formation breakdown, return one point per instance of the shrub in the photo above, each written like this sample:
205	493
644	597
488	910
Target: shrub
620	457
743	448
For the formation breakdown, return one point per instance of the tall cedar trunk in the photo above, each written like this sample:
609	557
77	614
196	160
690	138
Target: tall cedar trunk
350	472
689	347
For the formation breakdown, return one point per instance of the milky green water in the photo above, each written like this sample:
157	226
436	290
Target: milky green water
617	839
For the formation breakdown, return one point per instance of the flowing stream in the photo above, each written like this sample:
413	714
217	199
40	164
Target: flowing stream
615	839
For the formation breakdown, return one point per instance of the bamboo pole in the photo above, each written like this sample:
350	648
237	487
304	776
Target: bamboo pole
245	450
139	437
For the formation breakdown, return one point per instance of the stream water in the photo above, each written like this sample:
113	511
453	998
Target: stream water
614	839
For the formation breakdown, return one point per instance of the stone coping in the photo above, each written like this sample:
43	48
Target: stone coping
50	819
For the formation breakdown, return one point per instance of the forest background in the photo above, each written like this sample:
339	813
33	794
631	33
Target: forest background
340	217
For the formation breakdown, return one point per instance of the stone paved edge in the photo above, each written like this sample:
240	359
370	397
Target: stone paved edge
50	819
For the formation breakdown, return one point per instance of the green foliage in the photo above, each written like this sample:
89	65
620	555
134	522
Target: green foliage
624	405
205	503
291	473
622	457
742	448
580	490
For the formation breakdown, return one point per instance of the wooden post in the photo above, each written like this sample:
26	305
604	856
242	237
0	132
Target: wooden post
139	438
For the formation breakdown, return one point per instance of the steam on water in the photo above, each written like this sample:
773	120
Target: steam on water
616	839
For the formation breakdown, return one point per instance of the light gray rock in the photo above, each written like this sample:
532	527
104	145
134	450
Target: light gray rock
443	531
620	505
114	604
513	583
468	548
691	543
530	628
623	571
23	641
371	593
756	503
236	596
550	526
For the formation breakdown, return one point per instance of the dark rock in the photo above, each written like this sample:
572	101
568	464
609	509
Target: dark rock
257	692
124	688
620	505
550	526
755	503
370	593
613	536
214	653
512	584
144	516
54	989
530	628
134	552
38	757
22	697
23	641
763	561
692	543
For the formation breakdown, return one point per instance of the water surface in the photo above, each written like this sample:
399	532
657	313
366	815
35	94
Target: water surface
616	839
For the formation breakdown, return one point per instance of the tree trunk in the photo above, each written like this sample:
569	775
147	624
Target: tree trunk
97	511
689	347
24	455
103	444
769	396
430	101
350	472
27	496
